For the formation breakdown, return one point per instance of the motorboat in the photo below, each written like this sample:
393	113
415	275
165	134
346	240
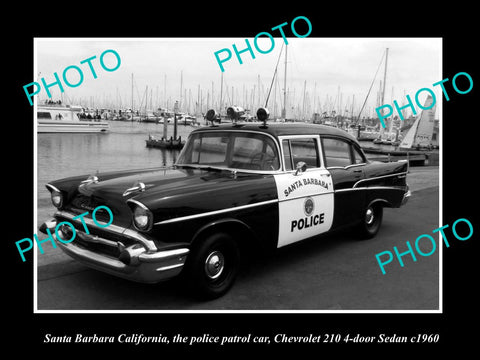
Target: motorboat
58	118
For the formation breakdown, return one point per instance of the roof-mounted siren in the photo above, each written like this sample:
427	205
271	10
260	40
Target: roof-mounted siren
262	115
235	112
211	115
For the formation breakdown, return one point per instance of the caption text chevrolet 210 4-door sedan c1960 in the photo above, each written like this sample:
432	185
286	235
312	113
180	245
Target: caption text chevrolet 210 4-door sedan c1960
235	189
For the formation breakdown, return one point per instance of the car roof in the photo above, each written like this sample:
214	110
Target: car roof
281	129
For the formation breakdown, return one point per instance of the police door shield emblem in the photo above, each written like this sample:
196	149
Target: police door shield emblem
305	206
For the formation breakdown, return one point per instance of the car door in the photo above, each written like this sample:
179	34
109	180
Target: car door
305	190
346	164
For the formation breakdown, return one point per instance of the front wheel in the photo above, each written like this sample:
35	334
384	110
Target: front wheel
213	266
371	222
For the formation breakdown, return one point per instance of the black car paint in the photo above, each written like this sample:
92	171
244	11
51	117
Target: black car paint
177	192
188	203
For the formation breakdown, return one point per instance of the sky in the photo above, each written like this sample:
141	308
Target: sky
322	73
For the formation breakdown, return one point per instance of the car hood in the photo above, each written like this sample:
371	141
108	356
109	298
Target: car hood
117	184
168	192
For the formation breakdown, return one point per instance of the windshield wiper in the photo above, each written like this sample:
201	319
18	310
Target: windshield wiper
213	168
186	166
202	167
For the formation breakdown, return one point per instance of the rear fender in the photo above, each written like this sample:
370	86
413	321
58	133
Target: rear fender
382	202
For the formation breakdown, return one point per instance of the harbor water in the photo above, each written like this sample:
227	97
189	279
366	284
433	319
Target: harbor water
61	155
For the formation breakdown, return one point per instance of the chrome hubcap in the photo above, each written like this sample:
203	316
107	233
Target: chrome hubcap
214	264
369	217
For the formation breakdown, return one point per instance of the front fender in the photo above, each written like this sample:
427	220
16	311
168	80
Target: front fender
241	232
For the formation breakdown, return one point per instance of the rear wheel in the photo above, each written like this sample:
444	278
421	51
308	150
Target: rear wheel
371	222
213	265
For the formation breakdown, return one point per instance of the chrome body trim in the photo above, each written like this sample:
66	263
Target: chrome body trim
379	177
146	242
171	267
346	167
139	186
160	255
147	270
400	188
406	196
136	202
51	188
96	239
215	212
143	266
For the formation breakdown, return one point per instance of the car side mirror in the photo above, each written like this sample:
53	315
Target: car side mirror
300	168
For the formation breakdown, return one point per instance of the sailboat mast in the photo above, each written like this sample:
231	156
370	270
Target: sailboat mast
221	91
284	111
146	98
303	106
384	78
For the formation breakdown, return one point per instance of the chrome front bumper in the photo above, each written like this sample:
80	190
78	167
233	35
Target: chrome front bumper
406	196
135	263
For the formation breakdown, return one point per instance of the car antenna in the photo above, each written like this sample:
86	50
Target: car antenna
263	113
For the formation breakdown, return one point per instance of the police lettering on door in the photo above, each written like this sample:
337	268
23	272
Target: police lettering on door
305	206
307	181
310	220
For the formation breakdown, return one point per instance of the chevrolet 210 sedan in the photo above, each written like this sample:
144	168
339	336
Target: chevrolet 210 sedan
234	190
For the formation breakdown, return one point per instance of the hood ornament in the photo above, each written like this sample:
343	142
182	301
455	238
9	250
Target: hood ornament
92	179
137	186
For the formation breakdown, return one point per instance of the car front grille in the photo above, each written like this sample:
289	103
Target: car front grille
87	237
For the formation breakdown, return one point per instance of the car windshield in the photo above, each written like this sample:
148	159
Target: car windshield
231	150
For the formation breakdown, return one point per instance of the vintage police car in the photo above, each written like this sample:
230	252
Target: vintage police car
235	189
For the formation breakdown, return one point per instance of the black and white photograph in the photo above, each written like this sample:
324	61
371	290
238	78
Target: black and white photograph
276	187
149	171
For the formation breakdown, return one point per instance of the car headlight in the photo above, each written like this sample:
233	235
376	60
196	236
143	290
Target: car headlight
55	195
142	217
57	198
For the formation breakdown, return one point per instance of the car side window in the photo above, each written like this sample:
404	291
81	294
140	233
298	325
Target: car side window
337	152
254	153
287	155
301	149
358	156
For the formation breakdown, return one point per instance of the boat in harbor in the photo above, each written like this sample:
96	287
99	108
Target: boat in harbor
388	139
368	134
185	119
163	143
420	135
417	145
388	136
149	116
58	118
